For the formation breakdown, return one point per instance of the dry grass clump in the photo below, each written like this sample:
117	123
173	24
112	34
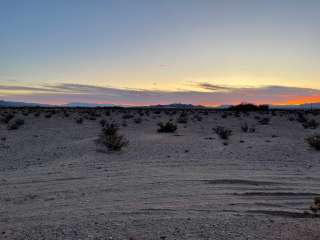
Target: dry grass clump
183	118
127	116
110	138
103	122
138	120
310	124
168	127
16	124
314	142
315	206
7	117
79	120
264	121
223	132
246	128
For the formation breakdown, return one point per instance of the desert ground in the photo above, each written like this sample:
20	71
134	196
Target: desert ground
56	182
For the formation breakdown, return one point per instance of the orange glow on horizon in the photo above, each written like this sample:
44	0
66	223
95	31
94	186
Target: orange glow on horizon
303	100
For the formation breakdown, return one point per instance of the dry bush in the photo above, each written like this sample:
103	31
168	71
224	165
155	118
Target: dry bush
223	132
7	117
16	124
167	127
138	120
110	138
127	116
314	142
315	207
79	120
246	128
310	124
264	121
183	118
103	122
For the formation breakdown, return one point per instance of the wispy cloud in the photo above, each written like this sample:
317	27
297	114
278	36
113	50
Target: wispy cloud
214	94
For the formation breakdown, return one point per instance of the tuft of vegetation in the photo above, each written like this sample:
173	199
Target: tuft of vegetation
314	142
79	120
249	107
264	121
310	124
103	122
245	128
315	206
223	132
6	118
110	138
301	118
127	116
16	124
167	127
138	120
183	118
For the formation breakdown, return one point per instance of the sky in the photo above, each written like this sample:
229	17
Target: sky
145	52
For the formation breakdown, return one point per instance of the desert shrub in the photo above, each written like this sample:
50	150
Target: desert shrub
246	107
16	124
264	121
124	124
48	115
246	128
167	127
79	120
223	132
224	116
301	117
183	118
110	138
138	120
6	118
311	124
127	116
314	142
103	122
198	118
291	119
37	114
315	207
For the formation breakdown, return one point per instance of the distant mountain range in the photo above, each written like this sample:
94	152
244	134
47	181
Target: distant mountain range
3	103
177	105
20	104
307	106
88	105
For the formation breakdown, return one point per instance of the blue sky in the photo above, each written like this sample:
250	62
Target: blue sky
168	47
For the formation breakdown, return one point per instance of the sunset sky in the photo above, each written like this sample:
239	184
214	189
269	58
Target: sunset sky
137	52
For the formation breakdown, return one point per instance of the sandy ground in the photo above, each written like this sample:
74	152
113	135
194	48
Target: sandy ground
55	183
